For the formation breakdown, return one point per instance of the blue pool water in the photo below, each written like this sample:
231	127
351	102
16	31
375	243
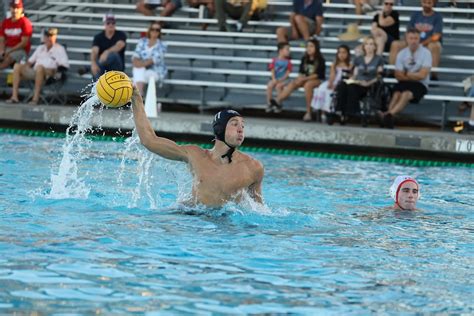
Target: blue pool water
323	245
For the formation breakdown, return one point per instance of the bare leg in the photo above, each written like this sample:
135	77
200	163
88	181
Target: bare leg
270	86
380	40
302	26
435	49
393	100
308	92
168	9
404	99
292	86
394	49
40	74
6	62
143	9
282	35
17	70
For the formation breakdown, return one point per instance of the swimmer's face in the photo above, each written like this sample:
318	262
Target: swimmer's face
234	131
408	196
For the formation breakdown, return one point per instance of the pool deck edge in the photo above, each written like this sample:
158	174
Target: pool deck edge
262	130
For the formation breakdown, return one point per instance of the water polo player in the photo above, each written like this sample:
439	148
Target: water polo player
405	191
221	174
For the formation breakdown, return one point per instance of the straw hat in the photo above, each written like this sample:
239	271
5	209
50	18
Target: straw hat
352	33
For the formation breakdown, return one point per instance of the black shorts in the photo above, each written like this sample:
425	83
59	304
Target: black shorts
417	88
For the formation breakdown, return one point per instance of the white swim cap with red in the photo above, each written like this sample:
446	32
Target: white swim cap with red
398	182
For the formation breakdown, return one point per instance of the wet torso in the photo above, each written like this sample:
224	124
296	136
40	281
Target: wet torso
216	182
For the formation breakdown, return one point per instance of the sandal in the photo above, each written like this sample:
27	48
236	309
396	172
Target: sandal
12	101
33	102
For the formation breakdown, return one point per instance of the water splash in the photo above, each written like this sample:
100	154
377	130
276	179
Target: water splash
67	183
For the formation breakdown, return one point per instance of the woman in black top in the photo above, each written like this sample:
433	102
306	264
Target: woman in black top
311	73
385	27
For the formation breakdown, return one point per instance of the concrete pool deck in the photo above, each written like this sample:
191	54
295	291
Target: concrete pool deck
265	132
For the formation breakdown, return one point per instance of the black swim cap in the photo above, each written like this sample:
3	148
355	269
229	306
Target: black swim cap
220	123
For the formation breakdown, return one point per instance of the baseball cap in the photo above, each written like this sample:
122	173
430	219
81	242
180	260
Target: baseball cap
109	17
16	4
51	31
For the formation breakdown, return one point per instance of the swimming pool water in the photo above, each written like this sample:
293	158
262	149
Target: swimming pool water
324	244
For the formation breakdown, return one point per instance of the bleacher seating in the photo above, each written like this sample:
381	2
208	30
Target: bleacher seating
230	69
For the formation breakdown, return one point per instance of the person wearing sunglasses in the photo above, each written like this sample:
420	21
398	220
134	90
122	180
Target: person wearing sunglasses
108	48
42	65
148	59
385	27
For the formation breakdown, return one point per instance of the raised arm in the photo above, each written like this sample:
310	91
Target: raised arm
255	190
159	145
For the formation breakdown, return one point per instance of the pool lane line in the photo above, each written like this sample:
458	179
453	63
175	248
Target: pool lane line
278	151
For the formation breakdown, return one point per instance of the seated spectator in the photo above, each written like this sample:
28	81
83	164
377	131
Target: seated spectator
108	49
149	58
209	9
281	68
364	6
15	36
466	126
412	70
236	9
43	64
405	191
306	21
322	96
367	70
385	27
430	25
311	73
147	7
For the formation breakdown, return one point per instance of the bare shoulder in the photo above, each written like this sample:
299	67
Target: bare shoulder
252	163
194	150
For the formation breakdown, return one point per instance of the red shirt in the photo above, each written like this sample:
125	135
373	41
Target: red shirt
14	31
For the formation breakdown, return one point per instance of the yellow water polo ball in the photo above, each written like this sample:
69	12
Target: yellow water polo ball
114	89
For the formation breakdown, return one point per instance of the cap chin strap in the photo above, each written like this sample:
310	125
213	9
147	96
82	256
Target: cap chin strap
403	209
229	153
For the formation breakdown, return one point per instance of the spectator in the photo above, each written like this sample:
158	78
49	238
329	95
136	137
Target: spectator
412	70
208	12
236	9
108	48
149	58
147	7
312	71
385	27
367	70
405	191
305	21
364	6
281	68
323	94
43	64
430	25
15	36
461	126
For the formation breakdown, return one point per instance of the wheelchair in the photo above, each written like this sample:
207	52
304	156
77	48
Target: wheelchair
377	99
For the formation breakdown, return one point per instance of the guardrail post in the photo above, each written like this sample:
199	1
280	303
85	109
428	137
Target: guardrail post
444	114
203	99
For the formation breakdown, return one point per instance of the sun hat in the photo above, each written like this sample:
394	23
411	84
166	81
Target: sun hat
352	33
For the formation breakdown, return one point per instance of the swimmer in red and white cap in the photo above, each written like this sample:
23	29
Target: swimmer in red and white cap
405	191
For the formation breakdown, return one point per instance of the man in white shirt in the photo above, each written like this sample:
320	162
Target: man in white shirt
44	63
412	70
